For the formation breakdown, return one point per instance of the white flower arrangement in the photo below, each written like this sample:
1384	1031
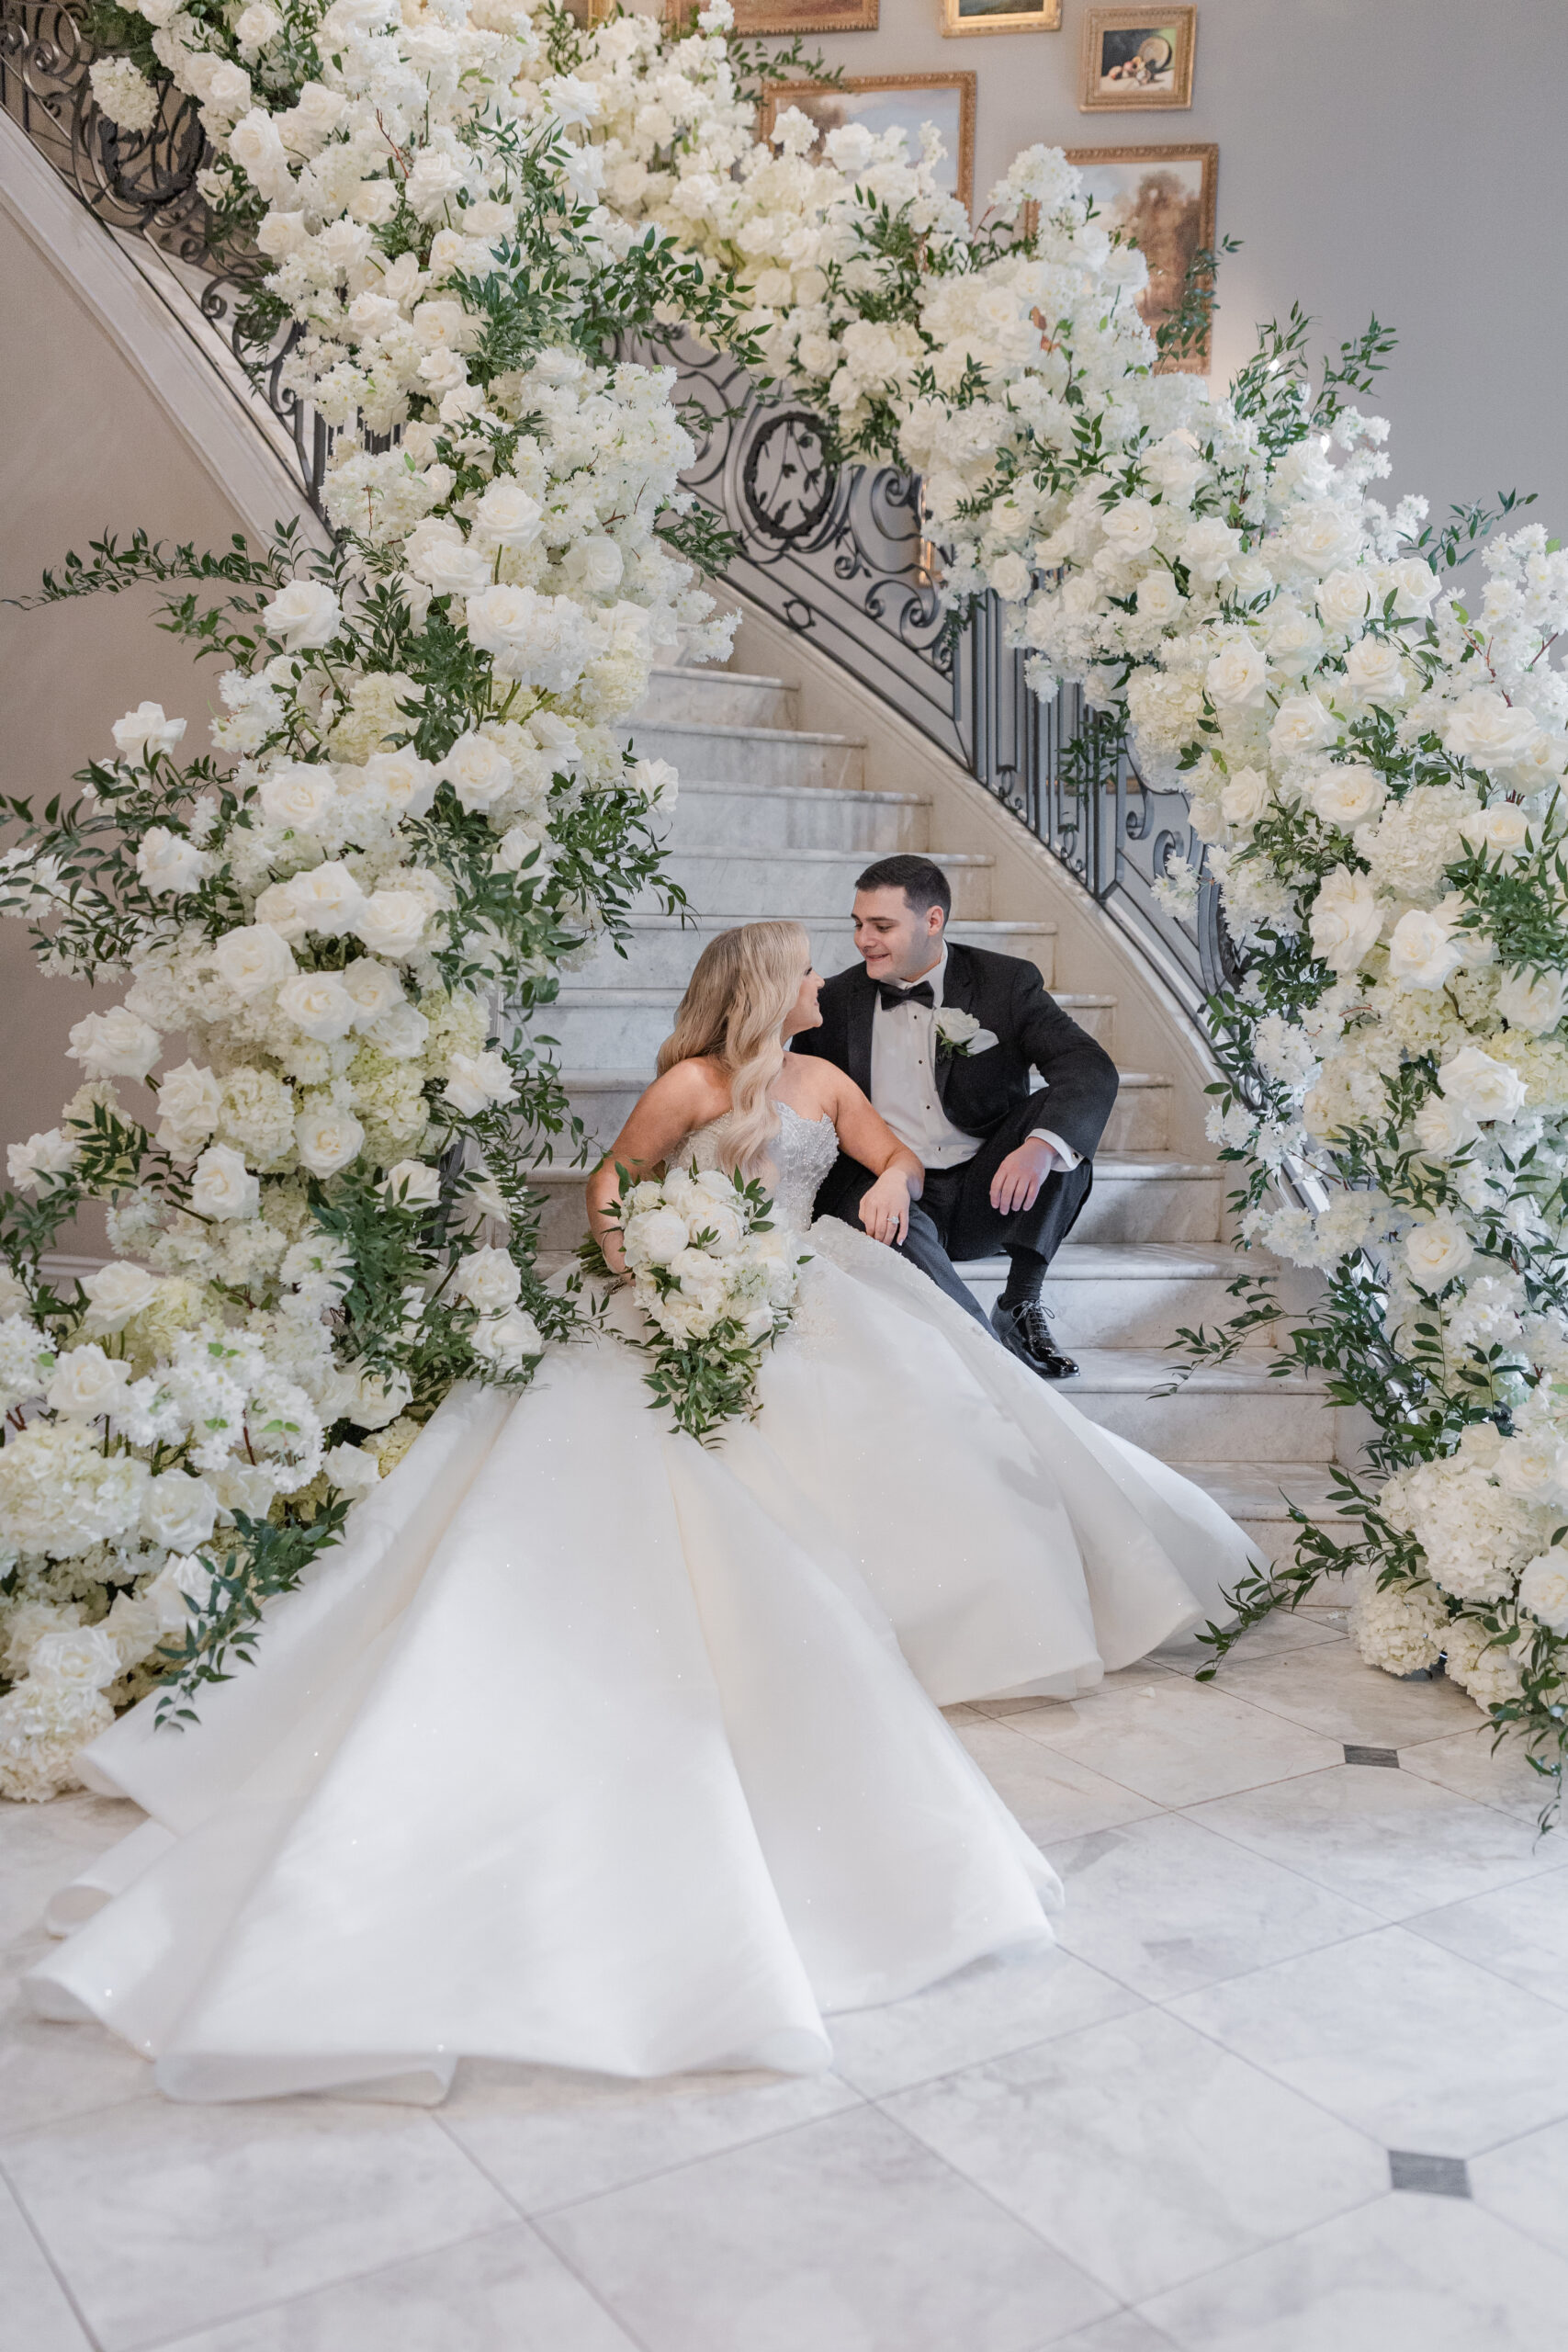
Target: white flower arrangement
959	1034
715	1279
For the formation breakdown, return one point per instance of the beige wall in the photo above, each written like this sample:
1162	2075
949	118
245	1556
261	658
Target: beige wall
87	449
1402	156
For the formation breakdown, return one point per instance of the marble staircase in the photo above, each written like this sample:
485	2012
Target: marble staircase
776	820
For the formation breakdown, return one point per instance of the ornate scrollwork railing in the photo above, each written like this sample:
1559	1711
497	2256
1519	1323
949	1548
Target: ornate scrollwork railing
839	555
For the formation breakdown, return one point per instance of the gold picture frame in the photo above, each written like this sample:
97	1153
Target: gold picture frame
1137	58
822	102
960	18
762	18
1167	196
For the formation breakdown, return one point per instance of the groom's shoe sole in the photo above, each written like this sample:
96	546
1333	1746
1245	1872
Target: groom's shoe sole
1051	1364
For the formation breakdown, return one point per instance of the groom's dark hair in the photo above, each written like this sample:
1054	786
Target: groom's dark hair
923	882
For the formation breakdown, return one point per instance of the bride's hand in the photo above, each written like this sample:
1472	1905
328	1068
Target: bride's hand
885	1208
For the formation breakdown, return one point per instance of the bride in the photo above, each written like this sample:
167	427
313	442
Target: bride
592	1748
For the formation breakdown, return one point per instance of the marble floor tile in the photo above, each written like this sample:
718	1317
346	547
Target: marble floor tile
1050	1794
983	2012
1465	1763
1165	1905
1521	1932
1525	2182
844	2236
1144	2149
163	2219
49	2071
1278	1636
1122	2331
35	2311
1385	1839
43	1846
1335	1692
1416	2047
502	2292
550	2138
1176	1742
1408	2274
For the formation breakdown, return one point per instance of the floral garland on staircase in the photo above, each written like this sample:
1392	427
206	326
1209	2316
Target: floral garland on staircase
459	200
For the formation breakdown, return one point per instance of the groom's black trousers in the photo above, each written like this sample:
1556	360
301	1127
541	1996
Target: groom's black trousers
954	1218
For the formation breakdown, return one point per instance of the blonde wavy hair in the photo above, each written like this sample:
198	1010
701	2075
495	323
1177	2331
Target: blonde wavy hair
734	1008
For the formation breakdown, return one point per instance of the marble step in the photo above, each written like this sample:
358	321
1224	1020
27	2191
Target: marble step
662	950
1129	1294
717	698
623	1028
1151	1196
1260	1417
798	816
807	882
1258	1495
705	754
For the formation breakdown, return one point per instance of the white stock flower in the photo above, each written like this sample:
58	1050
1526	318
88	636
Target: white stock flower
305	616
1438	1250
327	1139
1481	1087
178	1511
85	1383
221	1186
1345	922
488	1279
115	1044
253	958
169	863
1532	1001
144	733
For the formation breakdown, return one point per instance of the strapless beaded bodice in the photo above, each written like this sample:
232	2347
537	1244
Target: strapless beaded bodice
802	1152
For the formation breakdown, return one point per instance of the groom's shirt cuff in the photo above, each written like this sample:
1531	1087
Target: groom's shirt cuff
1064	1151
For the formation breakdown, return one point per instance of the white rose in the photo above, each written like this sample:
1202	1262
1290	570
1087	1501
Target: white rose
221	1186
85	1383
476	1080
1130	529
74	1657
1375	670
297	796
1424	949
257	24
143	733
254	958
1244	797
189	1099
657	781
1543	1590
1481	1087
391	922
115	1044
374	1399
1502	831
507	1340
1347	796
306	616
1345	919
1531	1000
275	907
1345	598
181	1582
1534	1469
1294	639
478	771
1323	537
373	989
517	845
1301	725
655	1236
414	1182
256	145
227	90
1159	598
446	562
596	565
1413	585
1438	1250
169	863
328	898
1489	730
352	1470
1010	577
1208	547
1441	1128
327	1138
401	1033
408	781
114	1293
507	516
1237	677
40	1158
488	1281
317	1003
178	1511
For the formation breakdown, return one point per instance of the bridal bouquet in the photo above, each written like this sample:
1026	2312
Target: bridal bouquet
717	1281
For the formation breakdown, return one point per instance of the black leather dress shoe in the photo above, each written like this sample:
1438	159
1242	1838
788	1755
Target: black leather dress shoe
1026	1330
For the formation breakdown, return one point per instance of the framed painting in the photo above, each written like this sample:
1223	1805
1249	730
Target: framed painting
767	16
1136	58
1001	17
892	102
1164	197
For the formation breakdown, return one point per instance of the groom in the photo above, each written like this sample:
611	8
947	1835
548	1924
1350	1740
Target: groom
944	1039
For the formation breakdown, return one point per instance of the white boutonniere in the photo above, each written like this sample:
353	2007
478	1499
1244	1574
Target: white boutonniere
959	1033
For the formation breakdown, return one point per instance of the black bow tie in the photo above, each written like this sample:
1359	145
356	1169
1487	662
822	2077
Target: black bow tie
921	993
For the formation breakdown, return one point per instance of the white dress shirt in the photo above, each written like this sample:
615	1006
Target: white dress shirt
903	1081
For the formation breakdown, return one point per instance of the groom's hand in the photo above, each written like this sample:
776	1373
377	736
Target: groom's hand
1017	1182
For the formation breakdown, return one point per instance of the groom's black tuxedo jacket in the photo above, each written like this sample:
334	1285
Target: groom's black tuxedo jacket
980	1090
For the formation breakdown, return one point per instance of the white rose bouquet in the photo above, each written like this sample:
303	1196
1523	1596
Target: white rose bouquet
716	1279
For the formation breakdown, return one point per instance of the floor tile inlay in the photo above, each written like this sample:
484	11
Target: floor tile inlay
1432	2175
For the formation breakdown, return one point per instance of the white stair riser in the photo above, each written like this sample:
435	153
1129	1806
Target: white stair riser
709	698
1121	1314
705	755
1140	1120
660	953
1152	1208
800	884
709	817
1279	1422
627	1037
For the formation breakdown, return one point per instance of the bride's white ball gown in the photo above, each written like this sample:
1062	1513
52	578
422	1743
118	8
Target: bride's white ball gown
592	1748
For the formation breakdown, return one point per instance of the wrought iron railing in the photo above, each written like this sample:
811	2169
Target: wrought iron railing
836	554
